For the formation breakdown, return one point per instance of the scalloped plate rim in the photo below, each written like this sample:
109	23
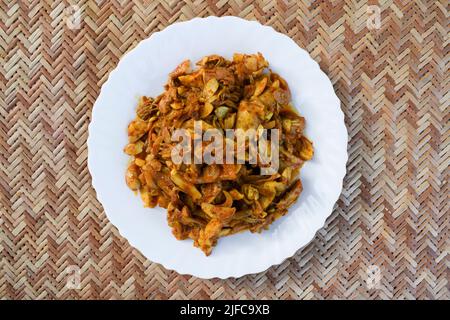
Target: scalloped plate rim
100	197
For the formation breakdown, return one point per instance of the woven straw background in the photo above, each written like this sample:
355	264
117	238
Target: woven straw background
393	213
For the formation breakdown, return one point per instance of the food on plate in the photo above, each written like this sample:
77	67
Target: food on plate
206	201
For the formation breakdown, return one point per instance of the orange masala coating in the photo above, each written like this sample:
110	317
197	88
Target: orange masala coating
205	202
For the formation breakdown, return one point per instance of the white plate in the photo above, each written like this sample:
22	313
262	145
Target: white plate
144	71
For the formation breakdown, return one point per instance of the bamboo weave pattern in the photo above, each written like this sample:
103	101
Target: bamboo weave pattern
392	219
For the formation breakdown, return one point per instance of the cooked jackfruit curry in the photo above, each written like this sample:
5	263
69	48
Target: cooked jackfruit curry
206	201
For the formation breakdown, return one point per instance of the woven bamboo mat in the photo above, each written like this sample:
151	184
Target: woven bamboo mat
388	236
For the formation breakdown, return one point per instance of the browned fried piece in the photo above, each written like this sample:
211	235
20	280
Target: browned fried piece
205	202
